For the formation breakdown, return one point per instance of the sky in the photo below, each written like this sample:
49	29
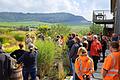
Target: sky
77	7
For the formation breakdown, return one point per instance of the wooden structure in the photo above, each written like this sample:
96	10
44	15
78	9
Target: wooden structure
104	17
115	9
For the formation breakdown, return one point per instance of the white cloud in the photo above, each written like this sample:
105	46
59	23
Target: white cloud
77	7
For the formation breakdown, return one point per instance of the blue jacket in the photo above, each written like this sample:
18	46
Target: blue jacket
29	59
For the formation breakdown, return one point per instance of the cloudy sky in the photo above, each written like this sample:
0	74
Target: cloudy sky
77	7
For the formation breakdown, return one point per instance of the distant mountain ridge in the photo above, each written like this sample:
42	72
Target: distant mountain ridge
42	17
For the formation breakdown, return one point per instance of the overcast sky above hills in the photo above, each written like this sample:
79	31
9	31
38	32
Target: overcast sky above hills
77	7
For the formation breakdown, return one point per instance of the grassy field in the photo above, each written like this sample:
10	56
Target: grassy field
17	24
74	28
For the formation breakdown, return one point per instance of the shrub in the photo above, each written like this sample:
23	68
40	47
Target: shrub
58	29
11	49
45	57
6	39
96	28
5	30
19	37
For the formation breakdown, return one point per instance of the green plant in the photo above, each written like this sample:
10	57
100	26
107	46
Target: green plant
5	39
43	29
11	49
45	57
19	37
58	29
96	28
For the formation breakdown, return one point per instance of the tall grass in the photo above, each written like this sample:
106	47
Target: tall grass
45	57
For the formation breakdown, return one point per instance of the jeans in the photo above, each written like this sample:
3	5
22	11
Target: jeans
29	71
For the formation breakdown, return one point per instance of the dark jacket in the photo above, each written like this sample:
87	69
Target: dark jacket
73	52
17	54
29	59
4	66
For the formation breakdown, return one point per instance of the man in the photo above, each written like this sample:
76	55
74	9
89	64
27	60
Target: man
18	53
111	66
104	47
29	61
73	53
95	51
84	66
4	65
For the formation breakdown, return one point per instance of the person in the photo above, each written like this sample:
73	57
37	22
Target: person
4	65
111	66
95	50
69	44
84	66
114	37
85	42
104	47
18	53
73	53
28	40
61	41
29	61
41	36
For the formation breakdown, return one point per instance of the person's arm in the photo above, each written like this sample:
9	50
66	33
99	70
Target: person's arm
13	55
107	65
72	51
104	72
21	59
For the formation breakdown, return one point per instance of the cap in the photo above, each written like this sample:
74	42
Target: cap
85	37
95	36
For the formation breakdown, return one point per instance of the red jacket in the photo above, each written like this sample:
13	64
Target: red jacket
95	47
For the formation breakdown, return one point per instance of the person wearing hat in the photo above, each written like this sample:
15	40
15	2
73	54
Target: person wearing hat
29	61
84	66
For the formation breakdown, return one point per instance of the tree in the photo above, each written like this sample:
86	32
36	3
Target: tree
96	28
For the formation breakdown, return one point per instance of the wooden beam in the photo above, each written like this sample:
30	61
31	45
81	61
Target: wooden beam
113	5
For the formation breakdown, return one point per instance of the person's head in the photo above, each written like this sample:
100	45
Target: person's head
28	35
84	38
95	37
73	35
114	46
85	44
77	39
21	46
31	47
82	51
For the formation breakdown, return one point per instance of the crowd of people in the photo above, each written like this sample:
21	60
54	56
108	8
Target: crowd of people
25	60
84	53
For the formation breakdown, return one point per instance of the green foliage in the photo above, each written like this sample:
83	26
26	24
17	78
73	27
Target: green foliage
11	49
46	56
84	30
6	39
43	29
96	28
19	37
58	29
5	30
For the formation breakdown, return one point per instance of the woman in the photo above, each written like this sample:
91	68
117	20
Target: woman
84	66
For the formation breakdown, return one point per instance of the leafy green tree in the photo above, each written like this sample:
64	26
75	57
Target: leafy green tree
96	28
